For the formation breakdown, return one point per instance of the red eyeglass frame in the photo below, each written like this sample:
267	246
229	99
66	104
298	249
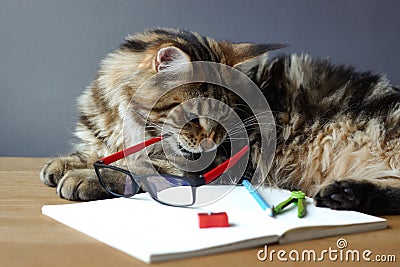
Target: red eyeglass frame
201	180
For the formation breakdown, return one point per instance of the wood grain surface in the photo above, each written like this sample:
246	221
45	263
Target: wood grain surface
28	238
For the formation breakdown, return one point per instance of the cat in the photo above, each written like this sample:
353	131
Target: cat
337	130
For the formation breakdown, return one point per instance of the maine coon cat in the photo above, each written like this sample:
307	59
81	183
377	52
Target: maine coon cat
338	135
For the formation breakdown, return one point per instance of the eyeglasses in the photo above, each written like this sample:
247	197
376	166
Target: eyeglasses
167	189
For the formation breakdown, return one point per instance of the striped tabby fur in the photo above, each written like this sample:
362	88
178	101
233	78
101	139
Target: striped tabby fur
338	134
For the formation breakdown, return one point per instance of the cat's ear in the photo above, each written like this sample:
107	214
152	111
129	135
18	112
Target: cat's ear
249	56
170	58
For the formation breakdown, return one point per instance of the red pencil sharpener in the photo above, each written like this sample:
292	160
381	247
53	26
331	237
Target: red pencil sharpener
219	219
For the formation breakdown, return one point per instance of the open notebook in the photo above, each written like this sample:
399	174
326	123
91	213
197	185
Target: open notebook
151	232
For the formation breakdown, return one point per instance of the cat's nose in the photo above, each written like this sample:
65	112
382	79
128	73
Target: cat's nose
207	144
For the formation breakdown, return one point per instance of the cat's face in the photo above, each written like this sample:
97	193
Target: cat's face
197	116
195	113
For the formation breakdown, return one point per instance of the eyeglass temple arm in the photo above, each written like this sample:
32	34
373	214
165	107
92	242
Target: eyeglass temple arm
226	165
130	150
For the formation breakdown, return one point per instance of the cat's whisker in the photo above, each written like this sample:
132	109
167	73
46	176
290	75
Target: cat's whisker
237	130
254	118
241	131
159	128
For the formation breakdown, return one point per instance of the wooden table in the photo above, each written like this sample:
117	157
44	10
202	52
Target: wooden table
28	238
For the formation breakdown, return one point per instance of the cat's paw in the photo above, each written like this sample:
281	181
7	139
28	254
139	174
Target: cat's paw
341	195
55	169
81	184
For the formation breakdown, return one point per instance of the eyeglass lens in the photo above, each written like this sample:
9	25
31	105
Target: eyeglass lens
117	182
168	190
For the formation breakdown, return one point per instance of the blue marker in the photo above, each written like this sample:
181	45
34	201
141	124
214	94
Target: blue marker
264	205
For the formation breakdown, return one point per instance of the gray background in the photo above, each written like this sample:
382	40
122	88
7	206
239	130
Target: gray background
50	50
